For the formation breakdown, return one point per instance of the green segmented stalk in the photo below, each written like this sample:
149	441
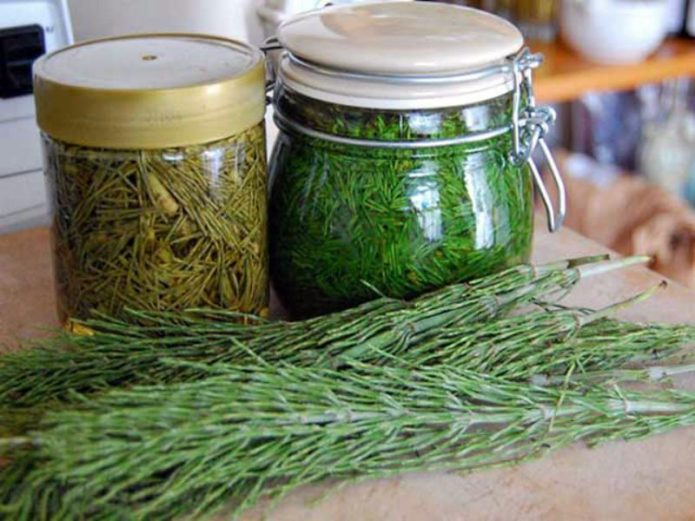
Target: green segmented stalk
603	345
123	353
653	373
162	452
492	346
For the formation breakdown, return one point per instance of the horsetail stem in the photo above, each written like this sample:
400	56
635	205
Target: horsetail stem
166	451
653	373
496	347
450	380
124	353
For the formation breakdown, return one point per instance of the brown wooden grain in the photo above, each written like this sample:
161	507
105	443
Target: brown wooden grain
27	300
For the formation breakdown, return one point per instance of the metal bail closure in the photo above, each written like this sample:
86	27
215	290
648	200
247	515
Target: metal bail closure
555	220
529	132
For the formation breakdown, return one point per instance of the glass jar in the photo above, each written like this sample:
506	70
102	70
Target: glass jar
156	174
380	190
403	220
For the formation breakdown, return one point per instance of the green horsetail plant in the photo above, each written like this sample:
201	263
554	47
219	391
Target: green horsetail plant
515	346
246	432
476	300
121	353
652	373
598	345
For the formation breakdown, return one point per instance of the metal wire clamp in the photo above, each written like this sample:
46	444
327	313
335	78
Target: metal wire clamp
529	128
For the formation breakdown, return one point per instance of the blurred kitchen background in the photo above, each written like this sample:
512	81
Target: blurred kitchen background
618	73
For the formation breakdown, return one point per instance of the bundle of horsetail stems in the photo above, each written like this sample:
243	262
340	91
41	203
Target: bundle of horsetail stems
245	432
176	414
117	353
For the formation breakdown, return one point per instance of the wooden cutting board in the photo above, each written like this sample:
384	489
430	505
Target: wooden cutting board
648	480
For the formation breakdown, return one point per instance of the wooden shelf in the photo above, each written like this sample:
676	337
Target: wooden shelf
565	75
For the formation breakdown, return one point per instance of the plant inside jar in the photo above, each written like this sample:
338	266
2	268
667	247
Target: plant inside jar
165	229
350	221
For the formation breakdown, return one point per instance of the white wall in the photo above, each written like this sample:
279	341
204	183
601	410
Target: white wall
230	18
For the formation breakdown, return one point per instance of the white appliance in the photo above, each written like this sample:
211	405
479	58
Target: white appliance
28	28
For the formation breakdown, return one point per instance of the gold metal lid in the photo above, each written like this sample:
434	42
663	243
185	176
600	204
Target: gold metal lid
149	91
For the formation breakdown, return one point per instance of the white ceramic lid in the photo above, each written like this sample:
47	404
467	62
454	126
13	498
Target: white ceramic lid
402	38
424	42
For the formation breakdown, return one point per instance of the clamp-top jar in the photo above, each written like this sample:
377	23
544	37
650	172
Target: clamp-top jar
404	158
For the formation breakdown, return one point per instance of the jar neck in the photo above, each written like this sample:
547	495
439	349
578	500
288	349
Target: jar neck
394	125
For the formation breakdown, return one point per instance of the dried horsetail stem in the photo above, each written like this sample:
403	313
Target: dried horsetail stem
121	353
161	229
162	452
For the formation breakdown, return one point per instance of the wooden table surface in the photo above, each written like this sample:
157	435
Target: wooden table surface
648	480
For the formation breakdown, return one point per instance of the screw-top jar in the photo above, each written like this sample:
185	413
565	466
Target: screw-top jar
155	157
404	158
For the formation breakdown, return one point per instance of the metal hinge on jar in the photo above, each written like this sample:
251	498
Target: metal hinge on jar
529	127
